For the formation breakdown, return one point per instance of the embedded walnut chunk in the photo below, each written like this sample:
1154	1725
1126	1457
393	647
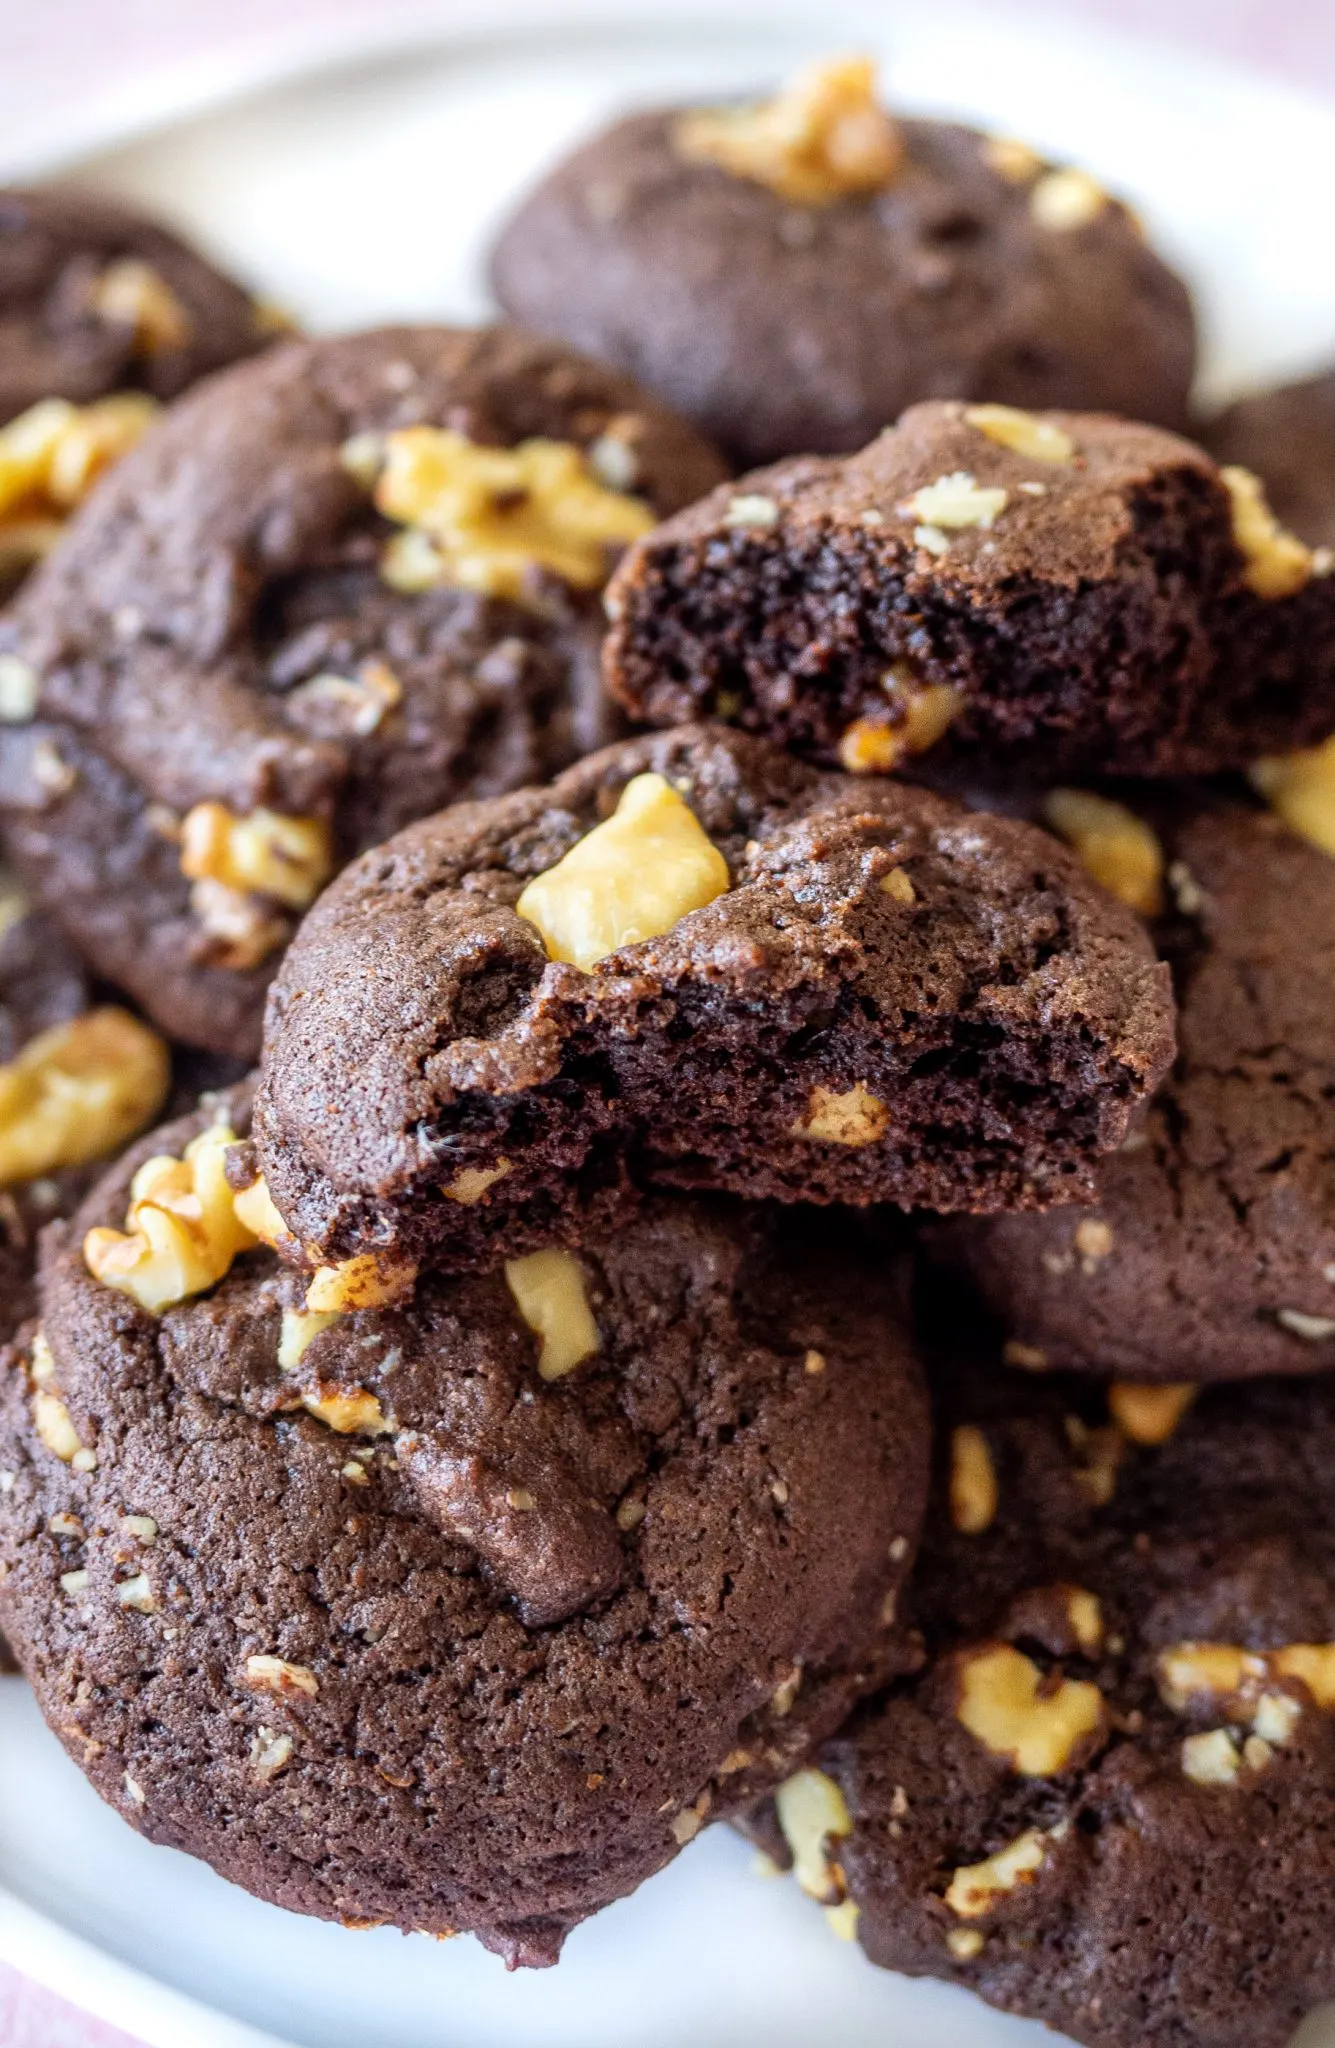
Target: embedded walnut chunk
853	1117
634	877
371	1280
275	1674
1149	1414
356	705
347	1411
1084	1611
976	1888
1313	1665
813	1813
298	1330
1064	200
470	1184
1012	160
182	1231
548	1288
1027	433
263	852
480	518
78	1092
1038	1726
821	139
237	931
255	1208
1119	849
957	501
130	293
50	457
918	716
1300	788
973	1481
1211	1759
54	1427
1278	563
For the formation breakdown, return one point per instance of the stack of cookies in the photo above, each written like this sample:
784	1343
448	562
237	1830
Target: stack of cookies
776	1263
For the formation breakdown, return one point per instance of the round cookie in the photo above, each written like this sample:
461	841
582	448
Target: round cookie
693	961
1049	594
336	588
413	1615
789	315
1286	437
1108	1799
1210	1251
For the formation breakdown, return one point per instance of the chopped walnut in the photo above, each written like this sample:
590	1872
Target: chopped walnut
1027	433
275	1674
1211	1759
1278	563
548	1288
263	852
973	1481
50	457
975	1888
237	931
632	878
919	714
823	138
182	1231
1300	789
1119	849
471	1183
79	1092
1038	1727
957	501
1149	1414
1064	200
813	1813
1014	161
371	1280
130	293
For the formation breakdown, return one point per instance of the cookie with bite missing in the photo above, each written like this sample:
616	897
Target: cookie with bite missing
465	1609
791	274
336	588
1047	595
1107	1800
695	962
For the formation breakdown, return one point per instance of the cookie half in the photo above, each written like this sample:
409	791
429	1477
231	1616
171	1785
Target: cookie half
693	961
1107	1800
1049	594
467	1610
1210	1251
337	588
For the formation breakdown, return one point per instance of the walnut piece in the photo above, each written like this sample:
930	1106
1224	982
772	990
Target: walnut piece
1278	563
264	853
371	1280
181	1228
813	1813
957	501
470	1184
549	1293
1211	1759
275	1674
480	518
1064	200
824	137
634	877
50	457
855	1117
130	293
78	1092
919	715
1149	1414
976	1888
1119	849
973	1481
1300	789
1036	1725
1027	433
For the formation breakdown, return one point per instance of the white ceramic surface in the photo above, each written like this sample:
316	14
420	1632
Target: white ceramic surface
368	192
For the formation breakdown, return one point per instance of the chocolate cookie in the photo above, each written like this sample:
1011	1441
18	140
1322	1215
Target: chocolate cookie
1210	1252
337	588
750	976
1108	1800
467	1612
1068	593
791	276
1287	437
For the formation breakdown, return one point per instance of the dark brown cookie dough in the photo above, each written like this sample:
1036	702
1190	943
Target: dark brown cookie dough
1210	1252
215	630
888	998
784	328
487	1657
95	298
1286	437
1125	1717
1091	592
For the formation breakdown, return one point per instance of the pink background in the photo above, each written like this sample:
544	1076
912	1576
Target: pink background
87	56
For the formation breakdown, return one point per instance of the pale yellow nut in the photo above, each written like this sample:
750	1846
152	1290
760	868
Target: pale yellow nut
481	518
1278	563
1313	1664
1117	848
1149	1414
1004	1703
275	1674
51	1420
79	1092
958	501
813	1813
1085	1613
632	878
98	435
928	710
299	1328
869	746
1027	433
137	1593
1012	160
1193	1673
1024	1357
853	1116
1300	789
842	1920
288	859
965	1943
270	1753
1211	1759
348	1411
19	688
182	1231
1275	1717
973	1481
1093	1240
27	445
1098	1456
1064	200
471	1183
130	293
897	885
548	1288
823	137
976	1888
371	1280
241	931
254	1209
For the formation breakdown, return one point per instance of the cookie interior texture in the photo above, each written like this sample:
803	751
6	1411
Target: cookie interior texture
1208	1254
230	563
1092	613
895	1000
1175	1853
488	1663
942	285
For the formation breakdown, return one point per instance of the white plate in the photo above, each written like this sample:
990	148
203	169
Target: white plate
368	192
